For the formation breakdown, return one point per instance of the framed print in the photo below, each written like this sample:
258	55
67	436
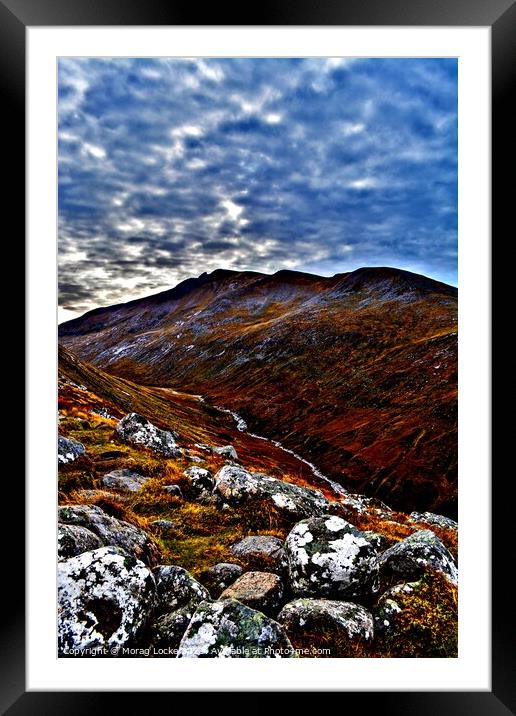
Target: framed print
265	234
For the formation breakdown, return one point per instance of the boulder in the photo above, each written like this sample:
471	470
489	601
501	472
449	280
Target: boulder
259	590
73	540
175	588
237	486
379	542
432	519
229	629
136	429
221	576
124	480
111	531
226	451
409	559
167	631
328	557
261	552
200	481
388	608
104	601
68	450
340	625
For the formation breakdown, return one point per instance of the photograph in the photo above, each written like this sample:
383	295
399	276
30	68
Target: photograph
257	441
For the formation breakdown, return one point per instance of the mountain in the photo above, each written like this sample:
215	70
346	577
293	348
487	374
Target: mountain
355	372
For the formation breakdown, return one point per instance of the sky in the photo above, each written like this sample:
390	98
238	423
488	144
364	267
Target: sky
172	167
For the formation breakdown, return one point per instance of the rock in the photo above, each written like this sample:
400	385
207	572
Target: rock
124	480
110	531
104	600
173	490
342	624
200	481
410	558
73	540
261	552
328	557
177	588
168	630
379	542
136	429
432	519
237	486
363	504
259	590
227	451
68	450
194	458
220	576
163	525
229	629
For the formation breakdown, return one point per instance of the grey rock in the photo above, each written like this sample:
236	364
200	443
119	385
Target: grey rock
328	557
163	525
136	429
104	600
341	621
220	576
177	588
237	486
409	559
389	607
229	629
68	450
111	531
261	552
124	480
259	590
430	518
73	540
226	451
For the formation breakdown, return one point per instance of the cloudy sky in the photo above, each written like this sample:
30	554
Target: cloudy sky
168	168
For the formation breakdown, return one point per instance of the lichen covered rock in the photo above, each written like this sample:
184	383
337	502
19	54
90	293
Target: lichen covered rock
68	450
200	481
328	557
261	552
229	629
136	429
167	631
74	539
226	451
111	531
410	558
175	588
430	518
341	625
237	486
258	590
104	600
124	480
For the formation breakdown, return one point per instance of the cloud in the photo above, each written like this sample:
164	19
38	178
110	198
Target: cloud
171	167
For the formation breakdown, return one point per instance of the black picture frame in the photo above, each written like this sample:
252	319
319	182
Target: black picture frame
500	15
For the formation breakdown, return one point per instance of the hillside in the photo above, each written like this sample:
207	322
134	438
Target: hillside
357	372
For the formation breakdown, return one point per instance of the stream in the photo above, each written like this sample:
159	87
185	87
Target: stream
241	426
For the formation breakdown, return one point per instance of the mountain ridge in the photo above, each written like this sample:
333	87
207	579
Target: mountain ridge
355	372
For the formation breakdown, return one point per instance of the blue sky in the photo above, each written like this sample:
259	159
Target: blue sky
172	167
